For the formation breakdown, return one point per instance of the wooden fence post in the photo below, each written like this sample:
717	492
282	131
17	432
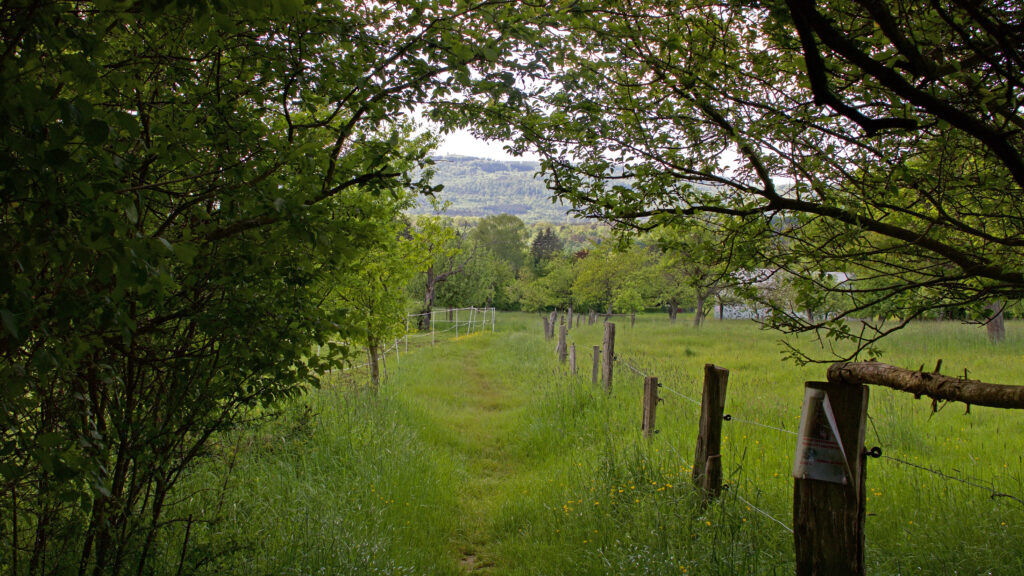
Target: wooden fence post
650	406
569	314
828	517
707	463
456	322
597	363
632	320
609	356
572	358
547	329
562	349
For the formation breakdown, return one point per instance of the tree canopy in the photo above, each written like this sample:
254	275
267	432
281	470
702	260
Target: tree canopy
878	138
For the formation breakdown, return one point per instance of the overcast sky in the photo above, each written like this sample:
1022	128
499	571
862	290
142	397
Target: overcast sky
462	143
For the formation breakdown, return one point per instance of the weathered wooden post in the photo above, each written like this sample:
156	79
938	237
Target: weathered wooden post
609	356
707	463
569	314
828	486
650	406
494	318
572	358
632	320
547	329
432	333
456	322
562	349
597	363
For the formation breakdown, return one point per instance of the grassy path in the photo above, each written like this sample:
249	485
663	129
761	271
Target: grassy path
473	410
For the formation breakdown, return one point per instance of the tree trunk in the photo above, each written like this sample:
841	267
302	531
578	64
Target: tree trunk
673	310
428	298
371	352
698	313
996	327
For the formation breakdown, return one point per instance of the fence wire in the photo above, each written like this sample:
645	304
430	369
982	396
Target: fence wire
762	512
993	493
732	418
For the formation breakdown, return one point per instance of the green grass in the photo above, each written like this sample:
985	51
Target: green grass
484	455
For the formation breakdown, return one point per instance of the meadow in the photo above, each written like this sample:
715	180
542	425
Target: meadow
483	454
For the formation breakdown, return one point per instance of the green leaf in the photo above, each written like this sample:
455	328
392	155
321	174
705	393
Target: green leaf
10	322
96	132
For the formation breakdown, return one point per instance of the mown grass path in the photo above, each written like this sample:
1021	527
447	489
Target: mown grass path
472	413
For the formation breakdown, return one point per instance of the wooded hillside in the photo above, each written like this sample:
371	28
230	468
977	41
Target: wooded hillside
484	187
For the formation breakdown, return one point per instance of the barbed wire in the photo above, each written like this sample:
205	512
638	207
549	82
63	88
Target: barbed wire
676	452
670	390
760	511
993	492
731	418
636	370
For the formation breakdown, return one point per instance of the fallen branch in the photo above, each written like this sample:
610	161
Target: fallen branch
929	384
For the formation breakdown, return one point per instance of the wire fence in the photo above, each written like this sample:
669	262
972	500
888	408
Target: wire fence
630	364
478	320
645	368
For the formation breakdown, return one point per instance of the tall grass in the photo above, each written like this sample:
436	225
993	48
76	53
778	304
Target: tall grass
484	454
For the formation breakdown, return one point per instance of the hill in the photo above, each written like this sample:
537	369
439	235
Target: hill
483	187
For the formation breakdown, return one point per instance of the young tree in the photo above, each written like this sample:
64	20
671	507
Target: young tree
370	290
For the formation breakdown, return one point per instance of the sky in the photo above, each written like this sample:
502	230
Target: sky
462	143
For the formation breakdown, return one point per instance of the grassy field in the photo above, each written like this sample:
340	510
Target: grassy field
483	454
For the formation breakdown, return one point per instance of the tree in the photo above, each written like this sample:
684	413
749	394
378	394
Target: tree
708	257
176	185
551	287
370	290
545	246
505	236
481	278
871	133
445	258
607	272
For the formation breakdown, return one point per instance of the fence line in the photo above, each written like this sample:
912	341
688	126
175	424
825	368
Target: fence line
675	451
994	493
991	488
731	418
680	394
762	512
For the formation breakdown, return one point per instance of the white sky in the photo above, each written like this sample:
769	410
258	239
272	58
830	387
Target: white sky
462	143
